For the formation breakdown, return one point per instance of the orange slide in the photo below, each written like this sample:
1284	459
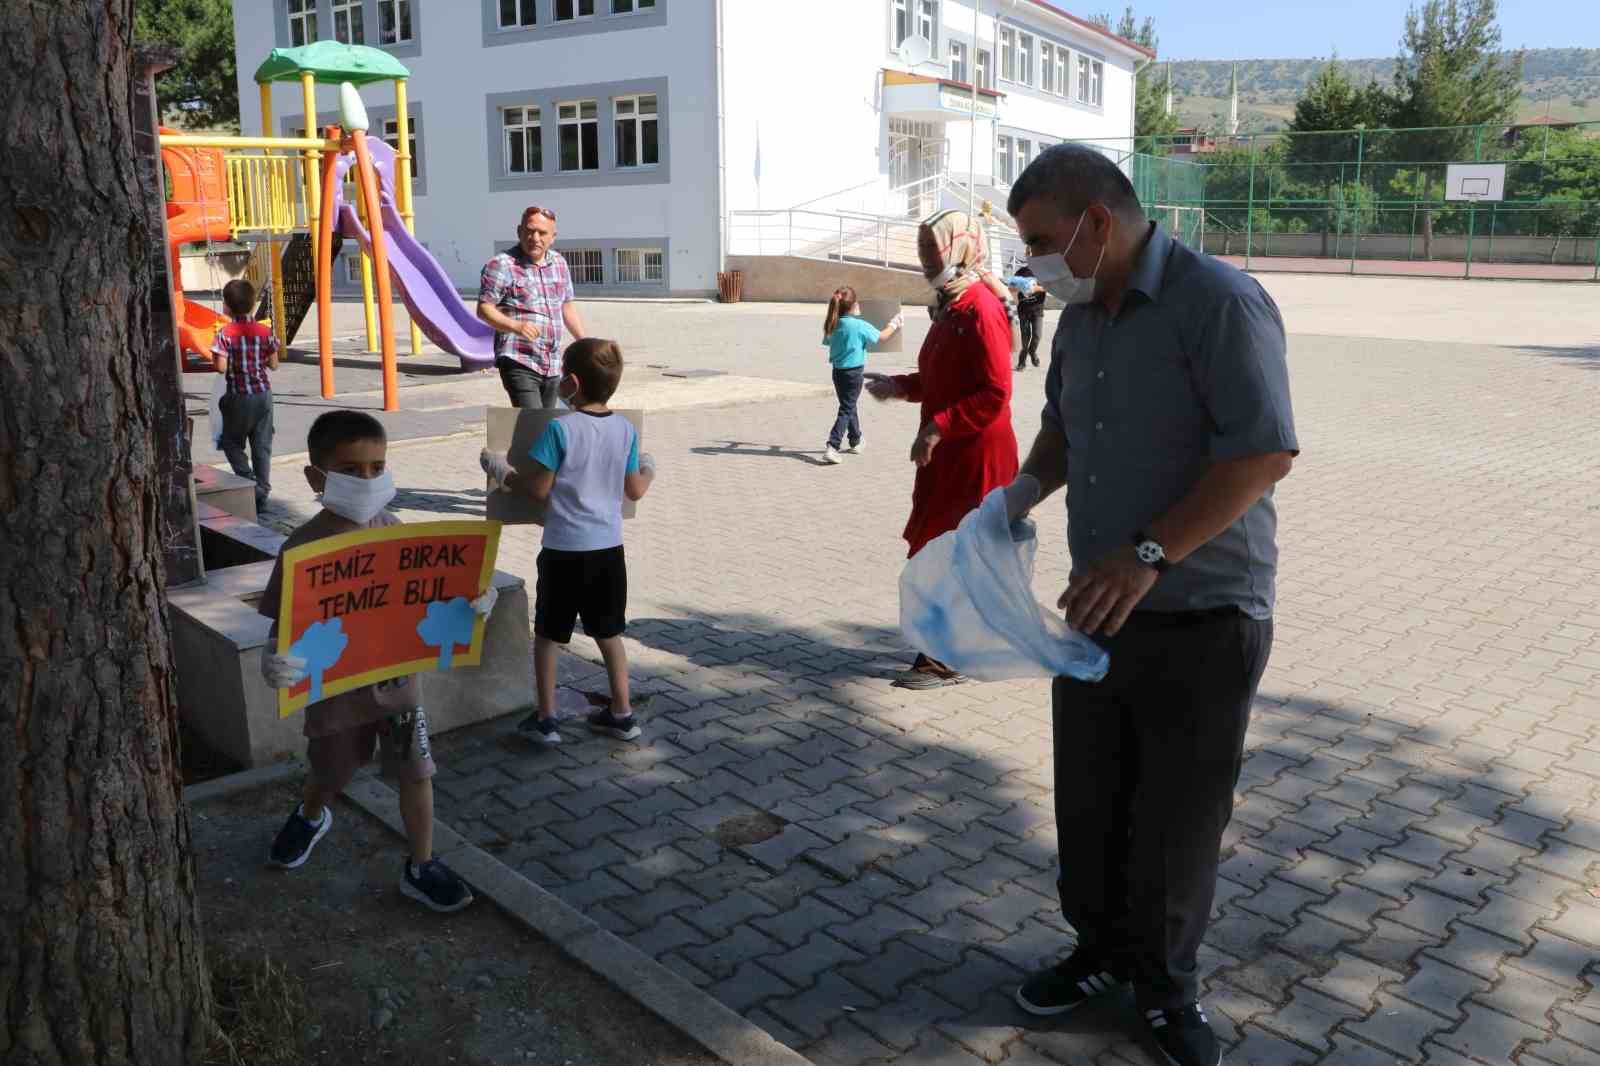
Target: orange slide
197	210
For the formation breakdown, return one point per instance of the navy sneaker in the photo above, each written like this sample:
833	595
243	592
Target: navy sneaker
541	730
603	721
1185	1036
1066	985
298	836
435	886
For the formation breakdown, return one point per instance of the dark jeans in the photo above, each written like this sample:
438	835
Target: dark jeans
847	383
1145	765
1032	327
247	419
525	387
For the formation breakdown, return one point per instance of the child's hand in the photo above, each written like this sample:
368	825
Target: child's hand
499	470
483	606
647	465
282	671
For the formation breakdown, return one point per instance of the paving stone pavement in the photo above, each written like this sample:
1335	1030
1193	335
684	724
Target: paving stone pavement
1410	875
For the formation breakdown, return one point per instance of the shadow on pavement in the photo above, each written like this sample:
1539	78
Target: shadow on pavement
762	451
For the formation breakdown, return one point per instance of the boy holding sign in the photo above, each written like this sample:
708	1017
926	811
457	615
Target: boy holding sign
582	467
349	469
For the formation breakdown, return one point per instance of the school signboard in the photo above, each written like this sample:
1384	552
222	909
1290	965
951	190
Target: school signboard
376	604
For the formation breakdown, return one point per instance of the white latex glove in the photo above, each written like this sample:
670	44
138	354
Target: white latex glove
898	320
1021	495
647	465
282	671
883	387
484	604
497	467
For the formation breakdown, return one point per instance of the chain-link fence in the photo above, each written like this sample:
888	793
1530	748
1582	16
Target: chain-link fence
1375	201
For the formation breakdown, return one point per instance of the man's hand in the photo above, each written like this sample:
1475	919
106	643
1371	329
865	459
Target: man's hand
883	387
528	329
483	606
1100	599
1021	495
927	440
497	467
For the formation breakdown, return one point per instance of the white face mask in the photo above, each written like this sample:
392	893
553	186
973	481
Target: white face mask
357	498
944	277
1056	277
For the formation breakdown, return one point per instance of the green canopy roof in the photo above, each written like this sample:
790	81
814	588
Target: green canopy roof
331	62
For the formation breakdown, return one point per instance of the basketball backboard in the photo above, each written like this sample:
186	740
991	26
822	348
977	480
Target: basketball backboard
1475	181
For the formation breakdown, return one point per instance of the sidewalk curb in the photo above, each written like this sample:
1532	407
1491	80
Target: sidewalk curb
243	781
672	998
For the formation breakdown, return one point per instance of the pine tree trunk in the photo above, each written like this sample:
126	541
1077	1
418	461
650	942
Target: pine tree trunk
100	954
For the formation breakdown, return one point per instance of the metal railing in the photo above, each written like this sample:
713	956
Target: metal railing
266	194
841	236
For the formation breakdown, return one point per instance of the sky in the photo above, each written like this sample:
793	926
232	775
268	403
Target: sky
1356	29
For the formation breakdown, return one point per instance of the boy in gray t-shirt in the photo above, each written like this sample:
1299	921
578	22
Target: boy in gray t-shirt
581	466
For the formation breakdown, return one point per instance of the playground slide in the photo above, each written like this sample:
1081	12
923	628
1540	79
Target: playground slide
428	293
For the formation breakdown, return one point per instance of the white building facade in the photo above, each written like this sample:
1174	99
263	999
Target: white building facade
644	124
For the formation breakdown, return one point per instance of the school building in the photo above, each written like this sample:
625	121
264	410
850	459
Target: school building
656	130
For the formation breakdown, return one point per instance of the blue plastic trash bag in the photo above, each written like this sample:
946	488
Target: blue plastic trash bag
967	600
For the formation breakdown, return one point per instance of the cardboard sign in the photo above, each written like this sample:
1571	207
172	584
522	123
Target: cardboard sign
376	604
514	431
880	313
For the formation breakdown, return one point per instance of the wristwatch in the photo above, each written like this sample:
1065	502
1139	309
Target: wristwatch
1150	553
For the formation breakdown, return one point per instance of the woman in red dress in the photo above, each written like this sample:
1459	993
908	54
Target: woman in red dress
966	445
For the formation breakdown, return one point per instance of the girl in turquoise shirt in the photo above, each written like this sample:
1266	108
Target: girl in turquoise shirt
847	335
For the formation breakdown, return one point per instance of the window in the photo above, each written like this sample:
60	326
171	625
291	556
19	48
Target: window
637	144
391	137
640	266
302	22
394	21
927	15
524	145
985	70
628	7
1002	152
352	267
514	13
902	21
567	10
580	135
1008	55
587	266
1047	67
1024	155
347	25
1025	59
1063	65
1096	74
958	61
1083	79
914	18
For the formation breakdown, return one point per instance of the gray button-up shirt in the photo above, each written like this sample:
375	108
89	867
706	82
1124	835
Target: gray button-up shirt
1191	371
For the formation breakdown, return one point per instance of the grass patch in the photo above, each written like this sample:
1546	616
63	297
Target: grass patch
258	1010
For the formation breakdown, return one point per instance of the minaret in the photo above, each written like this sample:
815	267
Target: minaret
1169	88
1233	102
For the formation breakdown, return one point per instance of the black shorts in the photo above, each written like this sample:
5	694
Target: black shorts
590	585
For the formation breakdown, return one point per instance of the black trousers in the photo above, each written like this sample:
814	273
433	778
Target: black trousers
1145	766
525	387
1032	326
247	419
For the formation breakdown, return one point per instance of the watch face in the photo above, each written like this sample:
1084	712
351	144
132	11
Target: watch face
1150	552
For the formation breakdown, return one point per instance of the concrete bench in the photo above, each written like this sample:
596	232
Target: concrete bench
225	490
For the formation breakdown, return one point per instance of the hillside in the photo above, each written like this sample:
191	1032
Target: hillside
1564	80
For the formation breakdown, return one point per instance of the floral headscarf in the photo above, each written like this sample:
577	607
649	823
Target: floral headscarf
964	258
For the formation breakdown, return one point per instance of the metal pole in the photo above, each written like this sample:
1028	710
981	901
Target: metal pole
1355	229
841	238
274	247
1250	207
972	125
402	166
1472	209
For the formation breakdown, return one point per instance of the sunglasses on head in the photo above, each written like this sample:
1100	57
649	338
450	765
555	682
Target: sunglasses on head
546	212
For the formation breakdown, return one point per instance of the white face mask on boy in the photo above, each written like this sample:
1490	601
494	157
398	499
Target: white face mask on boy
357	498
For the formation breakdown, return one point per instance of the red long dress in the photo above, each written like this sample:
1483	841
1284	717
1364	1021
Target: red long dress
963	382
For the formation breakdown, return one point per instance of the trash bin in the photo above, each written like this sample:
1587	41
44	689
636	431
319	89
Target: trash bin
730	286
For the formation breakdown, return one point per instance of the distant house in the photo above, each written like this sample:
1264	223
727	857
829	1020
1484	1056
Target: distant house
1192	140
1514	134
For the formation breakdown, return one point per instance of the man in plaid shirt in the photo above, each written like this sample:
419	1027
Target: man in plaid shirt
243	352
526	295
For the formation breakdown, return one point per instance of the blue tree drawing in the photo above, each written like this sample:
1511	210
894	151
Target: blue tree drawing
321	645
448	623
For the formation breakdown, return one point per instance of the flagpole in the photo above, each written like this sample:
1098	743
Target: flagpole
972	128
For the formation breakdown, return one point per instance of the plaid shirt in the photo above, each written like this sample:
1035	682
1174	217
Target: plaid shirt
525	291
247	346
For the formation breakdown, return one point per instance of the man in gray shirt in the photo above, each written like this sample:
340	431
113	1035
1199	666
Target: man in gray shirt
1167	419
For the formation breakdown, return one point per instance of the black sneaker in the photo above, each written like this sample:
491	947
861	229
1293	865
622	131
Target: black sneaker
1064	986
1185	1036
603	721
298	836
542	730
435	886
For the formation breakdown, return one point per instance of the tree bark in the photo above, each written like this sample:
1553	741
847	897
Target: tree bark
100	953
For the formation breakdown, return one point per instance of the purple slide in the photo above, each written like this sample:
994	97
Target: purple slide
422	283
